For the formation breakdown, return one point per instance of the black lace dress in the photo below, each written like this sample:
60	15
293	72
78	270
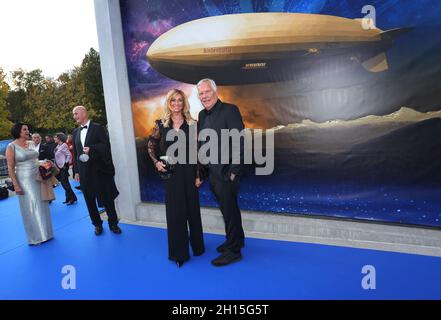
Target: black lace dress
182	206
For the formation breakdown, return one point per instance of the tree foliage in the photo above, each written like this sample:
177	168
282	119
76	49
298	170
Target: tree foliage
5	124
46	104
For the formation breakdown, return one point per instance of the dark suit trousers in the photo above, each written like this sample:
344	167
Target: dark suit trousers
226	194
64	179
91	199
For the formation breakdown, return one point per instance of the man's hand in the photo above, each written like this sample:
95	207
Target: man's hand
86	150
77	177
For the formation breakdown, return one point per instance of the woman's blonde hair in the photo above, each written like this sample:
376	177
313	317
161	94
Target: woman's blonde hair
165	119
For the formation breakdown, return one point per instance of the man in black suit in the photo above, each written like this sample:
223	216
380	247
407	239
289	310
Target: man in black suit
50	146
224	177
93	167
40	148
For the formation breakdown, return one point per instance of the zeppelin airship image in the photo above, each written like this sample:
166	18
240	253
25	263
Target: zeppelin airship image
252	48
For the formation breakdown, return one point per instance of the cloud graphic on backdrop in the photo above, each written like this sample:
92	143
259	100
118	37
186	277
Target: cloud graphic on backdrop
157	27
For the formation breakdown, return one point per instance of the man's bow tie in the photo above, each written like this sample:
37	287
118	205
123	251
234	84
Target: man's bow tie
83	127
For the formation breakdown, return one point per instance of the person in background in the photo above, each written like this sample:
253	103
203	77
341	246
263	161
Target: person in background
69	143
44	154
50	147
62	160
40	147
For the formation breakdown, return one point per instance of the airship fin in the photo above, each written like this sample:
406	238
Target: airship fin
376	64
392	33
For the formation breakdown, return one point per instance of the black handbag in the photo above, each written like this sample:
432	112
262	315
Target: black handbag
3	193
168	167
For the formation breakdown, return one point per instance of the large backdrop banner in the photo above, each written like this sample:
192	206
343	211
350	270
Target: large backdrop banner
352	91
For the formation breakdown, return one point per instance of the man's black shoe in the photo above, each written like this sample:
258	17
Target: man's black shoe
223	247
98	230
115	229
226	258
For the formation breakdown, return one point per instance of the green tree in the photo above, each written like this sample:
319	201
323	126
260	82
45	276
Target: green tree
71	92
15	103
41	102
23	82
5	124
89	74
26	80
47	104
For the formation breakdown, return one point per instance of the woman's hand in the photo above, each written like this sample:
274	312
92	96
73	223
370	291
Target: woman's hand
47	164
18	190
160	166
198	182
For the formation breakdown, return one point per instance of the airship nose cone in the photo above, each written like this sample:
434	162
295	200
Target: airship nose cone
155	50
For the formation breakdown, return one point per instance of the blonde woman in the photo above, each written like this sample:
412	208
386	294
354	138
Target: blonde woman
181	183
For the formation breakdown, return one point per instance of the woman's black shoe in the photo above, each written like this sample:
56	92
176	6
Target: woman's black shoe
71	202
179	263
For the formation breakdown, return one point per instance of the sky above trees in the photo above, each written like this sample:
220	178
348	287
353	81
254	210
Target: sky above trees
51	35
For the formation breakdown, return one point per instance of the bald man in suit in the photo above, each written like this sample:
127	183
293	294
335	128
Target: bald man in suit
93	167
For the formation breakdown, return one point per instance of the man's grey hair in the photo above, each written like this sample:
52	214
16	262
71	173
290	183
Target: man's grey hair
36	135
210	81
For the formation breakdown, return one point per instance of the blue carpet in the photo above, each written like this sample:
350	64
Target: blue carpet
134	265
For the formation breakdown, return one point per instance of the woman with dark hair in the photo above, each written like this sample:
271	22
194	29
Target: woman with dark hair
23	167
183	213
62	160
